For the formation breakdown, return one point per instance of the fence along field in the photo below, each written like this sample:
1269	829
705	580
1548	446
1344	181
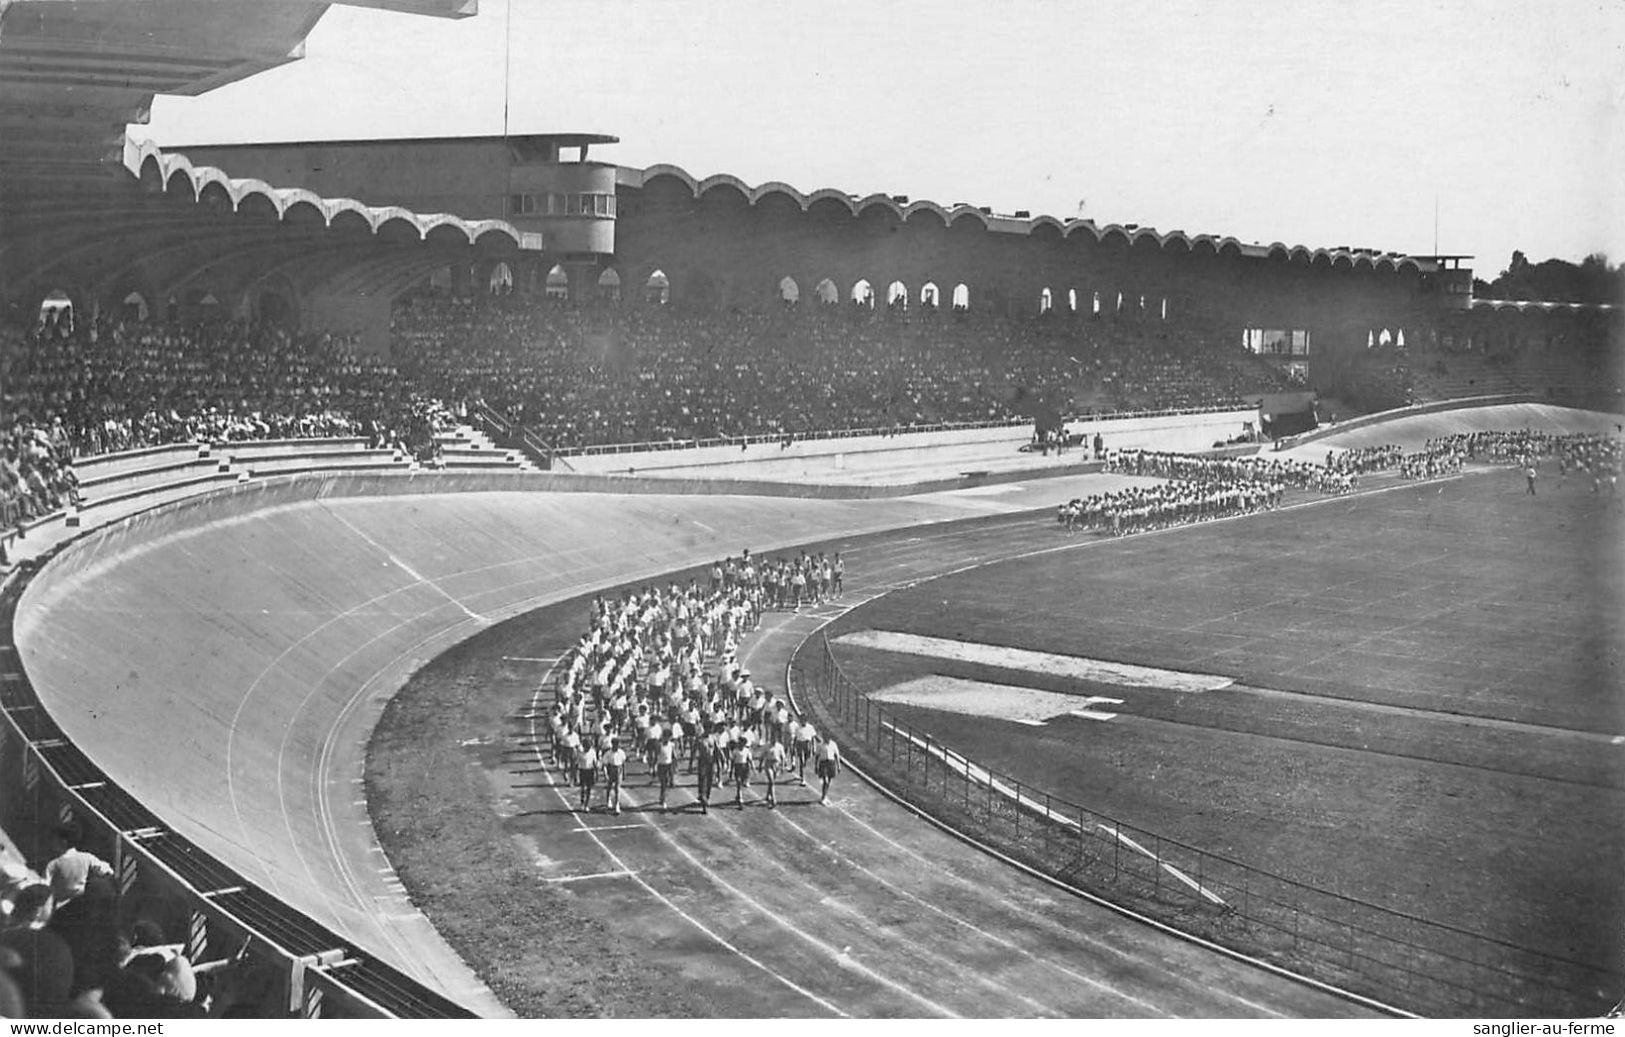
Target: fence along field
1393	948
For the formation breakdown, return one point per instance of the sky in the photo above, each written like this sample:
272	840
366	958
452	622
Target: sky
1323	124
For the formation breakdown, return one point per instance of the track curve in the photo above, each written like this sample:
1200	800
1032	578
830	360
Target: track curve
254	649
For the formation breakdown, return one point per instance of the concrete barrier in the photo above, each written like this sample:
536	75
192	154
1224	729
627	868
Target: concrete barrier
849	458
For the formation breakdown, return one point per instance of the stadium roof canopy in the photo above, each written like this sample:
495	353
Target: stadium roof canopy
83	209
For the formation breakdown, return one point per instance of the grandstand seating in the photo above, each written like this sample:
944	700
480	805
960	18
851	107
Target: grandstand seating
588	377
1457	375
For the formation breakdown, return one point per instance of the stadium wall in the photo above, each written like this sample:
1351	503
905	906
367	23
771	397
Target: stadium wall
910	450
721	250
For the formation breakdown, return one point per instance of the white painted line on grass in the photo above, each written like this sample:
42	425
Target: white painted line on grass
1077	667
1003	702
619	874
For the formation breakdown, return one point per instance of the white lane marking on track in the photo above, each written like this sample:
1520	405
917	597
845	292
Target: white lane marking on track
329	829
319	779
607	828
973	927
401	564
749	653
839	954
666	901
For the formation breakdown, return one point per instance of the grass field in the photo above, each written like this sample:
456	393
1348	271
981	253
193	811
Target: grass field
1429	705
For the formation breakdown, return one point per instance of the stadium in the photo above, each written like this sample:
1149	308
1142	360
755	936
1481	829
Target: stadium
432	564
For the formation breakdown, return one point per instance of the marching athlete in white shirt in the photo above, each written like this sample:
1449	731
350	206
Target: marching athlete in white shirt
829	764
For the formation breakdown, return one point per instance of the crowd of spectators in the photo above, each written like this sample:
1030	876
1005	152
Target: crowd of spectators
593	376
36	473
656	678
580	377
65	951
73	390
115	385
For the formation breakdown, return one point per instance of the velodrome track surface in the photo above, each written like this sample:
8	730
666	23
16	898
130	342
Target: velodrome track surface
227	665
1415	429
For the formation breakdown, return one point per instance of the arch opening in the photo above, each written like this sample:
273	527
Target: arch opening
657	289
897	296
501	280
827	293
863	294
961	298
55	314
557	285
133	307
609	286
789	291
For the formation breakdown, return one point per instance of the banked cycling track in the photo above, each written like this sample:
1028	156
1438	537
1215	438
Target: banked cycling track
226	659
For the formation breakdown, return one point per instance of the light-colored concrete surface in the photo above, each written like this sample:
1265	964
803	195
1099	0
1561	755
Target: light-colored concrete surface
1413	431
906	458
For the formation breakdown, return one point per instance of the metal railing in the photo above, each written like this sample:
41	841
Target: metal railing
516	436
1393	957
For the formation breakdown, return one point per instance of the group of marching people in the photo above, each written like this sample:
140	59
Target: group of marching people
789	583
1433	461
1300	474
1199	488
1361	460
1592	454
1176	503
641	683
